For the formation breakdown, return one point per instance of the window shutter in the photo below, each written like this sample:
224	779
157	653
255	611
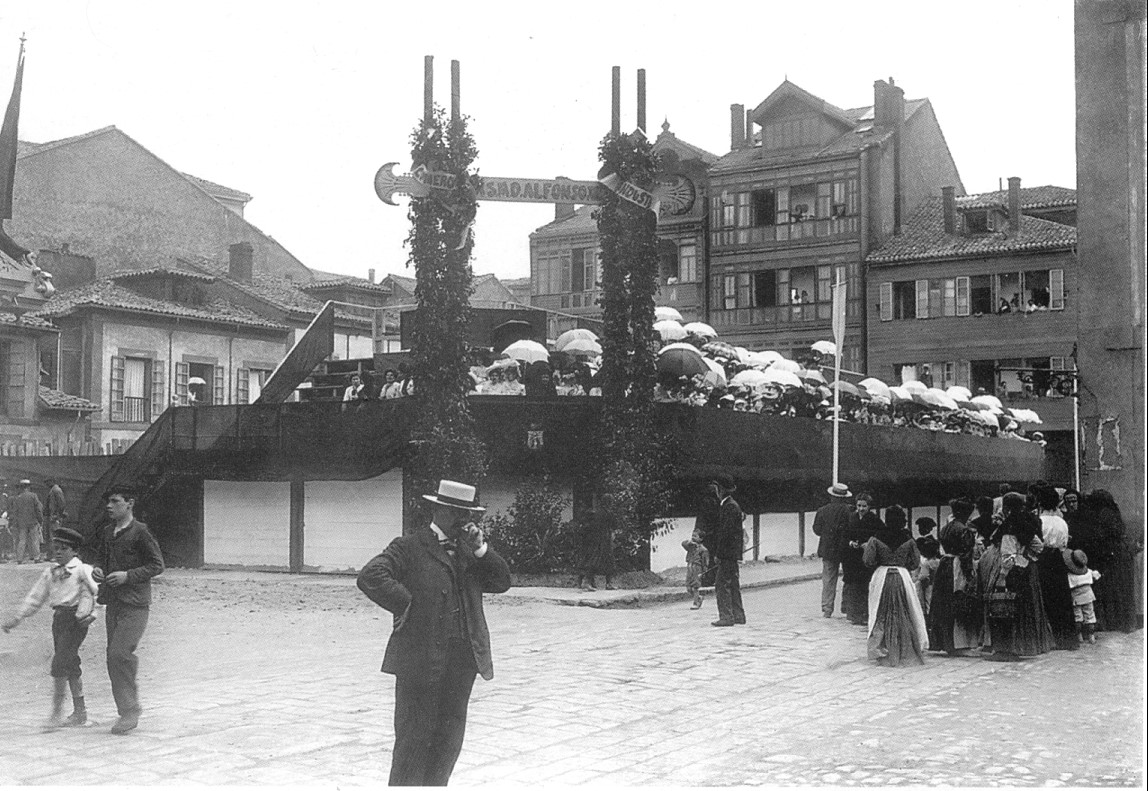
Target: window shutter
962	296
243	386
218	386
181	376
116	390
922	299
1056	289
158	389
886	301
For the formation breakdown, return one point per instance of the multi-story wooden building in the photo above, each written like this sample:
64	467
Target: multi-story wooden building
801	199
564	269
982	291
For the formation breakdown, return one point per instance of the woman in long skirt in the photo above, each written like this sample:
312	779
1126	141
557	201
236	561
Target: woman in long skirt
1116	589
896	621
955	615
1009	566
863	524
1054	590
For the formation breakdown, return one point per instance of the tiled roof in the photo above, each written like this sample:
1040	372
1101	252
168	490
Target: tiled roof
334	281
582	221
174	271
668	140
217	190
278	292
1046	197
407	283
25	149
862	134
26	320
106	293
923	237
57	399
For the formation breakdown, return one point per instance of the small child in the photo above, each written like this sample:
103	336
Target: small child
697	561
930	559
1080	579
69	589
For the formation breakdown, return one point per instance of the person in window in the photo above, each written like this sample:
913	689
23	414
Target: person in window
926	376
804	297
1015	301
1004	306
1030	307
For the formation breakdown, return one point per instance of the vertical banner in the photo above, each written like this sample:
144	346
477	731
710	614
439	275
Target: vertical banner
839	295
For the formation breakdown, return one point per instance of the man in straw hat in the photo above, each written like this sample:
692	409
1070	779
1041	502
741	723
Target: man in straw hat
829	525
432	580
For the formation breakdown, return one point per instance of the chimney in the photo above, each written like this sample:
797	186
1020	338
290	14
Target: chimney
1014	205
949	200
749	129
563	211
370	275
889	112
736	126
240	261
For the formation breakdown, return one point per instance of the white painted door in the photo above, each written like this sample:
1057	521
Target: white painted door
247	523
346	523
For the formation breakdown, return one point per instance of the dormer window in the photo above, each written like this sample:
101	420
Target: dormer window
979	221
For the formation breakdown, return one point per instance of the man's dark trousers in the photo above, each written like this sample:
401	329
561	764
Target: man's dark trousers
430	722
727	586
125	625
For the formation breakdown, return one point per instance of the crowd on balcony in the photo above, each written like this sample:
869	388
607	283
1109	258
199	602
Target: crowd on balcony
695	368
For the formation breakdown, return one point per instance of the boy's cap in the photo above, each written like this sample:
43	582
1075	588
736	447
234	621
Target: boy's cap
67	536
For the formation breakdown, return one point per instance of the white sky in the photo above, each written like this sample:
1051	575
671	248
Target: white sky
298	104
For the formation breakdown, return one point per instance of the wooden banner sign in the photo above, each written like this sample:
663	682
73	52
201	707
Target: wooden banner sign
673	194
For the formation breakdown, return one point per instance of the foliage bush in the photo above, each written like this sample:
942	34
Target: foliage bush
532	536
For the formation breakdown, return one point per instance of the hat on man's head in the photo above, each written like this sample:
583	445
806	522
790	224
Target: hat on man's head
67	536
839	490
25	482
724	482
455	495
1075	560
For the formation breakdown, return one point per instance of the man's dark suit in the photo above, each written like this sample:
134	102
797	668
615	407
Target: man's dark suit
439	642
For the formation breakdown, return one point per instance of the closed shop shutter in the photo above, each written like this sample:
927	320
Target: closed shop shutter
349	522
247	523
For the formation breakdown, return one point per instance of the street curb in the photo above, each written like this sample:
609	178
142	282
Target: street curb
636	599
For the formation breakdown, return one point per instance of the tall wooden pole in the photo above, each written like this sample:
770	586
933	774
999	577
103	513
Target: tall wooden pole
455	92
428	90
642	99
616	102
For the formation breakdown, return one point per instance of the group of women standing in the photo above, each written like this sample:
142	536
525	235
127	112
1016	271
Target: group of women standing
1002	592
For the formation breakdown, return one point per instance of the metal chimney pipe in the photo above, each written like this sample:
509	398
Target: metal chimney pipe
642	99
1014	204
616	101
736	126
428	90
455	92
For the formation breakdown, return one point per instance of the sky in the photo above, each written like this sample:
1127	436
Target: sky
299	104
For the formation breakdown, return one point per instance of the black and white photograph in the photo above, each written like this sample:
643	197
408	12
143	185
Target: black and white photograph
616	395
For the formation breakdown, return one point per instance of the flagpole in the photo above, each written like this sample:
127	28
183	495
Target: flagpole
836	379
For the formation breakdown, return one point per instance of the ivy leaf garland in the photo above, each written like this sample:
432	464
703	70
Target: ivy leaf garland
440	243
634	478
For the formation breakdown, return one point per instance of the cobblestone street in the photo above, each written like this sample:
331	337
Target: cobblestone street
261	682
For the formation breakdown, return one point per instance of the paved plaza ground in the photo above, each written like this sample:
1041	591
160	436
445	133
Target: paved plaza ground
258	679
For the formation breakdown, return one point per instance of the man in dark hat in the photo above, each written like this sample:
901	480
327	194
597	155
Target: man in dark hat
829	524
727	544
432	580
127	556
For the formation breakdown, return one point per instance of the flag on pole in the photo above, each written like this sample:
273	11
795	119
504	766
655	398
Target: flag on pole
839	294
8	145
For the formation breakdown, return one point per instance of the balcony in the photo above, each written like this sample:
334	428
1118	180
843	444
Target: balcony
137	410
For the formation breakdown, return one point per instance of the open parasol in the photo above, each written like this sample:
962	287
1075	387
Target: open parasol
701	329
666	313
578	333
527	351
670	330
681	359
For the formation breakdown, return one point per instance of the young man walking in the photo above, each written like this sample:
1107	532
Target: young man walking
127	557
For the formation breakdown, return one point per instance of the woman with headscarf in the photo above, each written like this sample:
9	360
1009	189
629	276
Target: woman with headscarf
864	523
1054	590
897	634
1010	585
955	615
1115	590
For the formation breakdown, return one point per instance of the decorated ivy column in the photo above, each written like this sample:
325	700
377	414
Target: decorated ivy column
444	442
633	478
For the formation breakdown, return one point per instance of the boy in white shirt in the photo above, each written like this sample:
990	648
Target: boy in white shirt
70	591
